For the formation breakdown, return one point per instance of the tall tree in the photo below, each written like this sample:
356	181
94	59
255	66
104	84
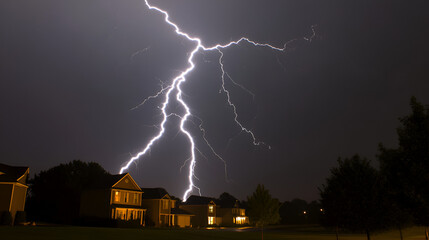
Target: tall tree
353	197
262	208
397	179
55	194
407	167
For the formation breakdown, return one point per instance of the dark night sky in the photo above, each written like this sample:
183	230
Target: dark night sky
69	77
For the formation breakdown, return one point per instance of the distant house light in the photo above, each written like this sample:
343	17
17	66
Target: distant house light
211	209
242	212
211	220
239	220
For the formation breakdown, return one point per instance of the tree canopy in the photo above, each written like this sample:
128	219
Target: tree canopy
54	194
263	209
406	168
353	197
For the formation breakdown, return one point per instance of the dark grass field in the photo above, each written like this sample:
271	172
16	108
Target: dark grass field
289	233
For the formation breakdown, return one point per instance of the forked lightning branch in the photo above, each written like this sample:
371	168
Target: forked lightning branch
173	92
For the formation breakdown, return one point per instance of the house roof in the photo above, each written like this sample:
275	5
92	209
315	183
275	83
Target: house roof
111	180
11	173
228	203
199	200
107	181
180	211
127	206
154	193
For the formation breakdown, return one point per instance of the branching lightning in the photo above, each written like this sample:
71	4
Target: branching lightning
175	87
234	108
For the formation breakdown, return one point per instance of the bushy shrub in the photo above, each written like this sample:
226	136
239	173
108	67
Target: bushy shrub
6	218
20	217
128	224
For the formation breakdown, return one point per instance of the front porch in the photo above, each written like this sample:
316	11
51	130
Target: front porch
129	214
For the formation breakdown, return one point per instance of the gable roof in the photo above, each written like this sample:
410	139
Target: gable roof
12	173
154	193
127	177
199	200
179	211
229	203
109	181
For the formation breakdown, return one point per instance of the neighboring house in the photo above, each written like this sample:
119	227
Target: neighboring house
204	209
13	189
182	218
161	209
116	197
232	213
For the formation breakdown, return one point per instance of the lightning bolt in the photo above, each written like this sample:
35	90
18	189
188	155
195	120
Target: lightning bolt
175	87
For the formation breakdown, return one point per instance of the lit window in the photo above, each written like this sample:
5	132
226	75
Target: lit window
211	209
242	212
121	213
117	196
240	220
211	220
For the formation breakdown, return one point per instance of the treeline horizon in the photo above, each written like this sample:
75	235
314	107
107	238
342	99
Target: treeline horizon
359	197
54	195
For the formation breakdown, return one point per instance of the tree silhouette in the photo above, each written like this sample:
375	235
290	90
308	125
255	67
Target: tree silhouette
54	195
293	212
262	208
406	168
353	197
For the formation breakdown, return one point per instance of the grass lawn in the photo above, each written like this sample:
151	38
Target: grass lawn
289	233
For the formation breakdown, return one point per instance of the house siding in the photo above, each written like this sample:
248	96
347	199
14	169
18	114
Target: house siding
226	214
18	199
5	193
182	220
12	198
152	206
201	213
95	203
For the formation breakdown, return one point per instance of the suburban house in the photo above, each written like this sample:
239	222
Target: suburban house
182	217
116	197
161	209
13	189
204	209
232	213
